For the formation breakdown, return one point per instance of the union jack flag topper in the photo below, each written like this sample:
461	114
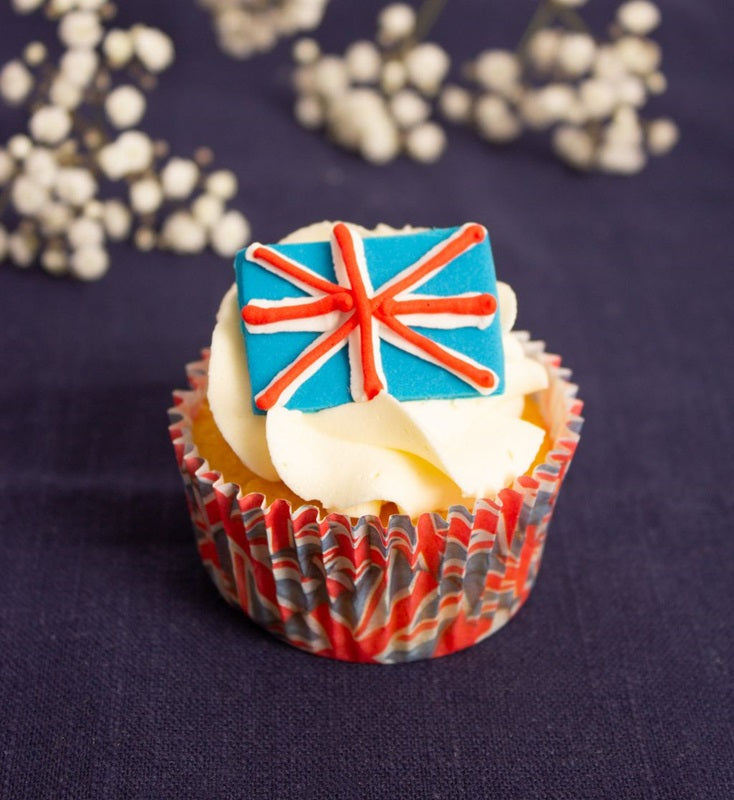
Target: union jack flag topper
412	314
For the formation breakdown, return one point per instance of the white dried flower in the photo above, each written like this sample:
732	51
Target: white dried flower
179	178
222	183
118	47
597	97
409	108
35	53
309	111
50	124
498	70
380	143
130	153
90	5
608	65
576	53
363	62
542	48
94	209
640	56
230	233
622	159
153	47
7	167
393	76
79	66
395	23
638	16
85	232
75	185
16	82
574	146
455	103
80	29
558	99
145	239
55	218
27	196
184	234
19	146
125	106
22	248
41	167
306	51
625	127
495	119
64	93
207	209
117	220
662	136
426	142
26	6
656	83
427	65
89	263
631	91
54	261
330	76
56	8
146	196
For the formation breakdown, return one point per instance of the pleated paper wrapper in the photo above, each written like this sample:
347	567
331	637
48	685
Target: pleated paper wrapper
357	591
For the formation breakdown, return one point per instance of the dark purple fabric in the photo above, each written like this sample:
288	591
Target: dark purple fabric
122	673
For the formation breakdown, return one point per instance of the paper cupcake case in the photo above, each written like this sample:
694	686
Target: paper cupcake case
358	591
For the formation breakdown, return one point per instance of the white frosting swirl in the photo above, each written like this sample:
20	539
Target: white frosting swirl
420	454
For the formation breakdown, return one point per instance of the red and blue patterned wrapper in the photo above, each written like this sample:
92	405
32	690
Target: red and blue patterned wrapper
358	591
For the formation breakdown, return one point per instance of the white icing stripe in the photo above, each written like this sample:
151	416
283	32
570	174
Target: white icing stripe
390	336
427	257
444	321
250	253
327	321
309	372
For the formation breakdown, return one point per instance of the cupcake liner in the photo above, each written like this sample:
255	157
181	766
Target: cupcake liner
360	592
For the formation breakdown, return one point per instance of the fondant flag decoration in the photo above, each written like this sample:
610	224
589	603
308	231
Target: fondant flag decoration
339	321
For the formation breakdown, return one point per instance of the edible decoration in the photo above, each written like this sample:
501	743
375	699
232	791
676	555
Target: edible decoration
427	331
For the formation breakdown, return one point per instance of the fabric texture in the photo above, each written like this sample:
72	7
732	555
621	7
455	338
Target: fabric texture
123	674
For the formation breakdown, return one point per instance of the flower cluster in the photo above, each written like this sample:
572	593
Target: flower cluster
588	92
378	98
57	180
246	27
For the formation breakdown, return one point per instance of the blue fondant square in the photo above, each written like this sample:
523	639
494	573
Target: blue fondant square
408	376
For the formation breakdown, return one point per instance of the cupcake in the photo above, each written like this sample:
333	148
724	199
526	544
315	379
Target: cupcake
371	453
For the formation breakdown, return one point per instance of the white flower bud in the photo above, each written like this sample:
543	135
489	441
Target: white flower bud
80	29
75	185
89	263
608	65
41	167
640	56
16	82
85	232
597	97
330	76
50	124
662	136
393	77
27	196
22	249
576	53
230	233
638	16
631	91
574	146
409	108
309	112
222	183
35	53
19	146
380	142
207	209
130	153
183	234
498	70
426	142
117	220
625	127
7	167
146	196
306	51
54	261
427	65
118	48
495	119
79	66
395	23
64	93
125	106
153	47
363	62
94	209
543	47
622	159
179	178
55	218
455	103
26	6
656	83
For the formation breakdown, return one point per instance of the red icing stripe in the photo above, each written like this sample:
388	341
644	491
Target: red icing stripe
257	315
480	306
292	269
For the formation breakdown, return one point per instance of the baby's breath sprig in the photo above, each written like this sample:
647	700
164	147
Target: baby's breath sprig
58	180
